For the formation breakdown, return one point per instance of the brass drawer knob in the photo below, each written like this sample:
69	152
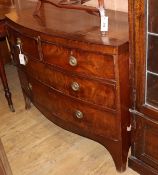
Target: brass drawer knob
75	86
78	114
18	41
72	61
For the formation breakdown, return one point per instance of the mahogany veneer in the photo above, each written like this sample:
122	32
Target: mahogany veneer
76	77
6	3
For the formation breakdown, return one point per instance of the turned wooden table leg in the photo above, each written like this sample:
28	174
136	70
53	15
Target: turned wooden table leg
5	85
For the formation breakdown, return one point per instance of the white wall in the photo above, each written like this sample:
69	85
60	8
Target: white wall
120	5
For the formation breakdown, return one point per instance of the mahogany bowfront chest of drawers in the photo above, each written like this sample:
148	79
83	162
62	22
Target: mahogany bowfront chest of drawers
77	78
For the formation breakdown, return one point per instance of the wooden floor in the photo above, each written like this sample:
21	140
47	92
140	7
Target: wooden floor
35	146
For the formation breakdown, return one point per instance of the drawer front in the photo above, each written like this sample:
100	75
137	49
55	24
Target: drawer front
29	45
12	36
101	94
2	29
87	63
146	141
78	114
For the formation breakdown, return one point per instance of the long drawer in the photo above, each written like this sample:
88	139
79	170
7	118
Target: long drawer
82	62
101	94
78	114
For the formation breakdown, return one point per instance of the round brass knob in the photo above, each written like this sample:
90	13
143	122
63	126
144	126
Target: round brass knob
75	86
78	114
18	41
72	61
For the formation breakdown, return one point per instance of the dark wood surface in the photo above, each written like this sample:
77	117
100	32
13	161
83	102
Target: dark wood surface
5	55
7	3
4	10
4	164
87	30
98	109
144	158
3	34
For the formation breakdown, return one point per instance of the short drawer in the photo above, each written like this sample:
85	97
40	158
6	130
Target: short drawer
78	114
99	93
87	63
29	44
11	36
2	29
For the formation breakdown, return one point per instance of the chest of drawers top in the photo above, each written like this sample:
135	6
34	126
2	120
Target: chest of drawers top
75	24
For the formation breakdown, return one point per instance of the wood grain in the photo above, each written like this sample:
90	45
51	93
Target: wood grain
7	2
35	146
144	158
4	165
